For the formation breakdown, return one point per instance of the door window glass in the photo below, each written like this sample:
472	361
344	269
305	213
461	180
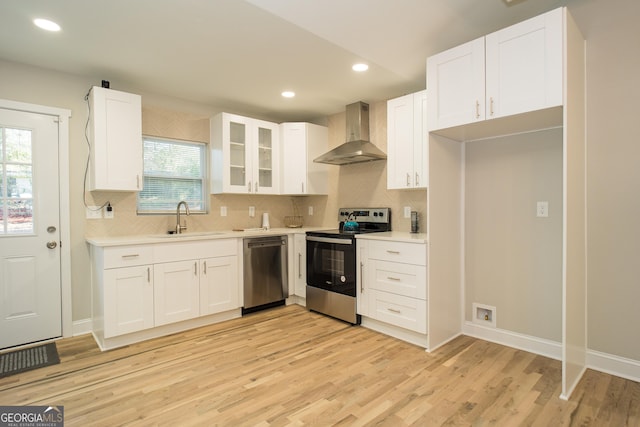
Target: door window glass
16	181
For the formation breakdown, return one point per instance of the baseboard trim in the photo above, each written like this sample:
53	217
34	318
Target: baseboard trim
82	327
528	343
614	365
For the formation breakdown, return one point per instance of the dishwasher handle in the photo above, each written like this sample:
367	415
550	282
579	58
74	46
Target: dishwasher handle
265	243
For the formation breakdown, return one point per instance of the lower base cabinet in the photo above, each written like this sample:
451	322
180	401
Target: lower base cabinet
176	289
216	295
393	283
128	300
137	288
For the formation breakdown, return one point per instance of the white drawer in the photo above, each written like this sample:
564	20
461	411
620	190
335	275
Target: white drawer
408	253
400	279
127	256
408	313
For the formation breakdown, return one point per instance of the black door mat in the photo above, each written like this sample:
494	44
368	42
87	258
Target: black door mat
28	359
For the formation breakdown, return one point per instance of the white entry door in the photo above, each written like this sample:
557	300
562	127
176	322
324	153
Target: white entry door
30	284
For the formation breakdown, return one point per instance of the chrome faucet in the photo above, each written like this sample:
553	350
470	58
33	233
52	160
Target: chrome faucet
179	227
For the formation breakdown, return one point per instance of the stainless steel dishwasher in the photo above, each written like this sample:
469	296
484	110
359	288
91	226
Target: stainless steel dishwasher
265	272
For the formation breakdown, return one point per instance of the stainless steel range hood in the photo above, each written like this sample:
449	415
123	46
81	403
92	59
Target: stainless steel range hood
357	149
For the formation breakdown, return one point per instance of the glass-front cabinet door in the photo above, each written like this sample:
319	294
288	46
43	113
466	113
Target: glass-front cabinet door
244	155
267	156
237	154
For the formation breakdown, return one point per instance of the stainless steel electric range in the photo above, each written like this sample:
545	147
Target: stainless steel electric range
331	261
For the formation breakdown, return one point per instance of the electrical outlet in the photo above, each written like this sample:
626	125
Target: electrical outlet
223	211
407	211
252	211
542	209
93	212
310	210
108	212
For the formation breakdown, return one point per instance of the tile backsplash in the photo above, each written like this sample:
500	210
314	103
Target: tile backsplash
357	185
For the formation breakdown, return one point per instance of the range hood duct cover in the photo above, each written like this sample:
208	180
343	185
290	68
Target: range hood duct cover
357	149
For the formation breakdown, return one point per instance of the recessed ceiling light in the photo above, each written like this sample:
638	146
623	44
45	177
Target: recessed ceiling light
288	94
45	24
360	67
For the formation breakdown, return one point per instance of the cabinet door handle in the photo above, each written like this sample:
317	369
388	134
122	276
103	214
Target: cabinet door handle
395	279
256	186
204	267
302	186
393	252
299	265
491	106
393	310
138	182
249	187
361	277
408	179
148	274
195	268
477	109
417	179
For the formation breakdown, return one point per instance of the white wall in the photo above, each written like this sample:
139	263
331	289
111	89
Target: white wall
513	258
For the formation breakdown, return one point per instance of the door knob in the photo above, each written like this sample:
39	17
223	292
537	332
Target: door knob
52	244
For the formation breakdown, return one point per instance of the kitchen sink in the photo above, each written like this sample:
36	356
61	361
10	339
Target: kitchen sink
185	235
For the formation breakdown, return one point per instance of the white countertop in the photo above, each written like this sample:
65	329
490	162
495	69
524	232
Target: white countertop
146	239
397	236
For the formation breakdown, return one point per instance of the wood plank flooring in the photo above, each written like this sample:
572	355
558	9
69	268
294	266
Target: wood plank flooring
288	366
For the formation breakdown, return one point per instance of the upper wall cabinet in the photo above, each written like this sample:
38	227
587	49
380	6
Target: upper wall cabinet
407	142
115	132
245	155
512	71
301	143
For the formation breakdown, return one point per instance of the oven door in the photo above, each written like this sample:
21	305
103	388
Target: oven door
331	264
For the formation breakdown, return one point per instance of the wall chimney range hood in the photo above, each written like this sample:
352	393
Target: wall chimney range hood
357	149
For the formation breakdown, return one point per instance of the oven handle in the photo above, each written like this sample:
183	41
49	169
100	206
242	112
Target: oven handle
329	240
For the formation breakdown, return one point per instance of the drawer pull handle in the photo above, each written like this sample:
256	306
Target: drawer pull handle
395	279
130	256
393	252
393	310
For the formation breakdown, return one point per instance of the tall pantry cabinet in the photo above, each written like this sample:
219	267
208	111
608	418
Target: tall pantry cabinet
524	78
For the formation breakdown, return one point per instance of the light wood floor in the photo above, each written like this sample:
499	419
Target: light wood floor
288	366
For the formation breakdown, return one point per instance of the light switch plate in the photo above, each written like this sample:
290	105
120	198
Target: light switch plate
93	212
223	211
407	211
252	211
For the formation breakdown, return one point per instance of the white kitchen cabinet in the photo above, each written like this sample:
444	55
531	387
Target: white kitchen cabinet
512	71
128	300
115	135
176	291
245	155
407	142
300	264
146	291
300	144
392	290
219	285
123	287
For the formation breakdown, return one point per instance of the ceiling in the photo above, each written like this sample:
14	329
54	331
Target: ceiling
239	55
